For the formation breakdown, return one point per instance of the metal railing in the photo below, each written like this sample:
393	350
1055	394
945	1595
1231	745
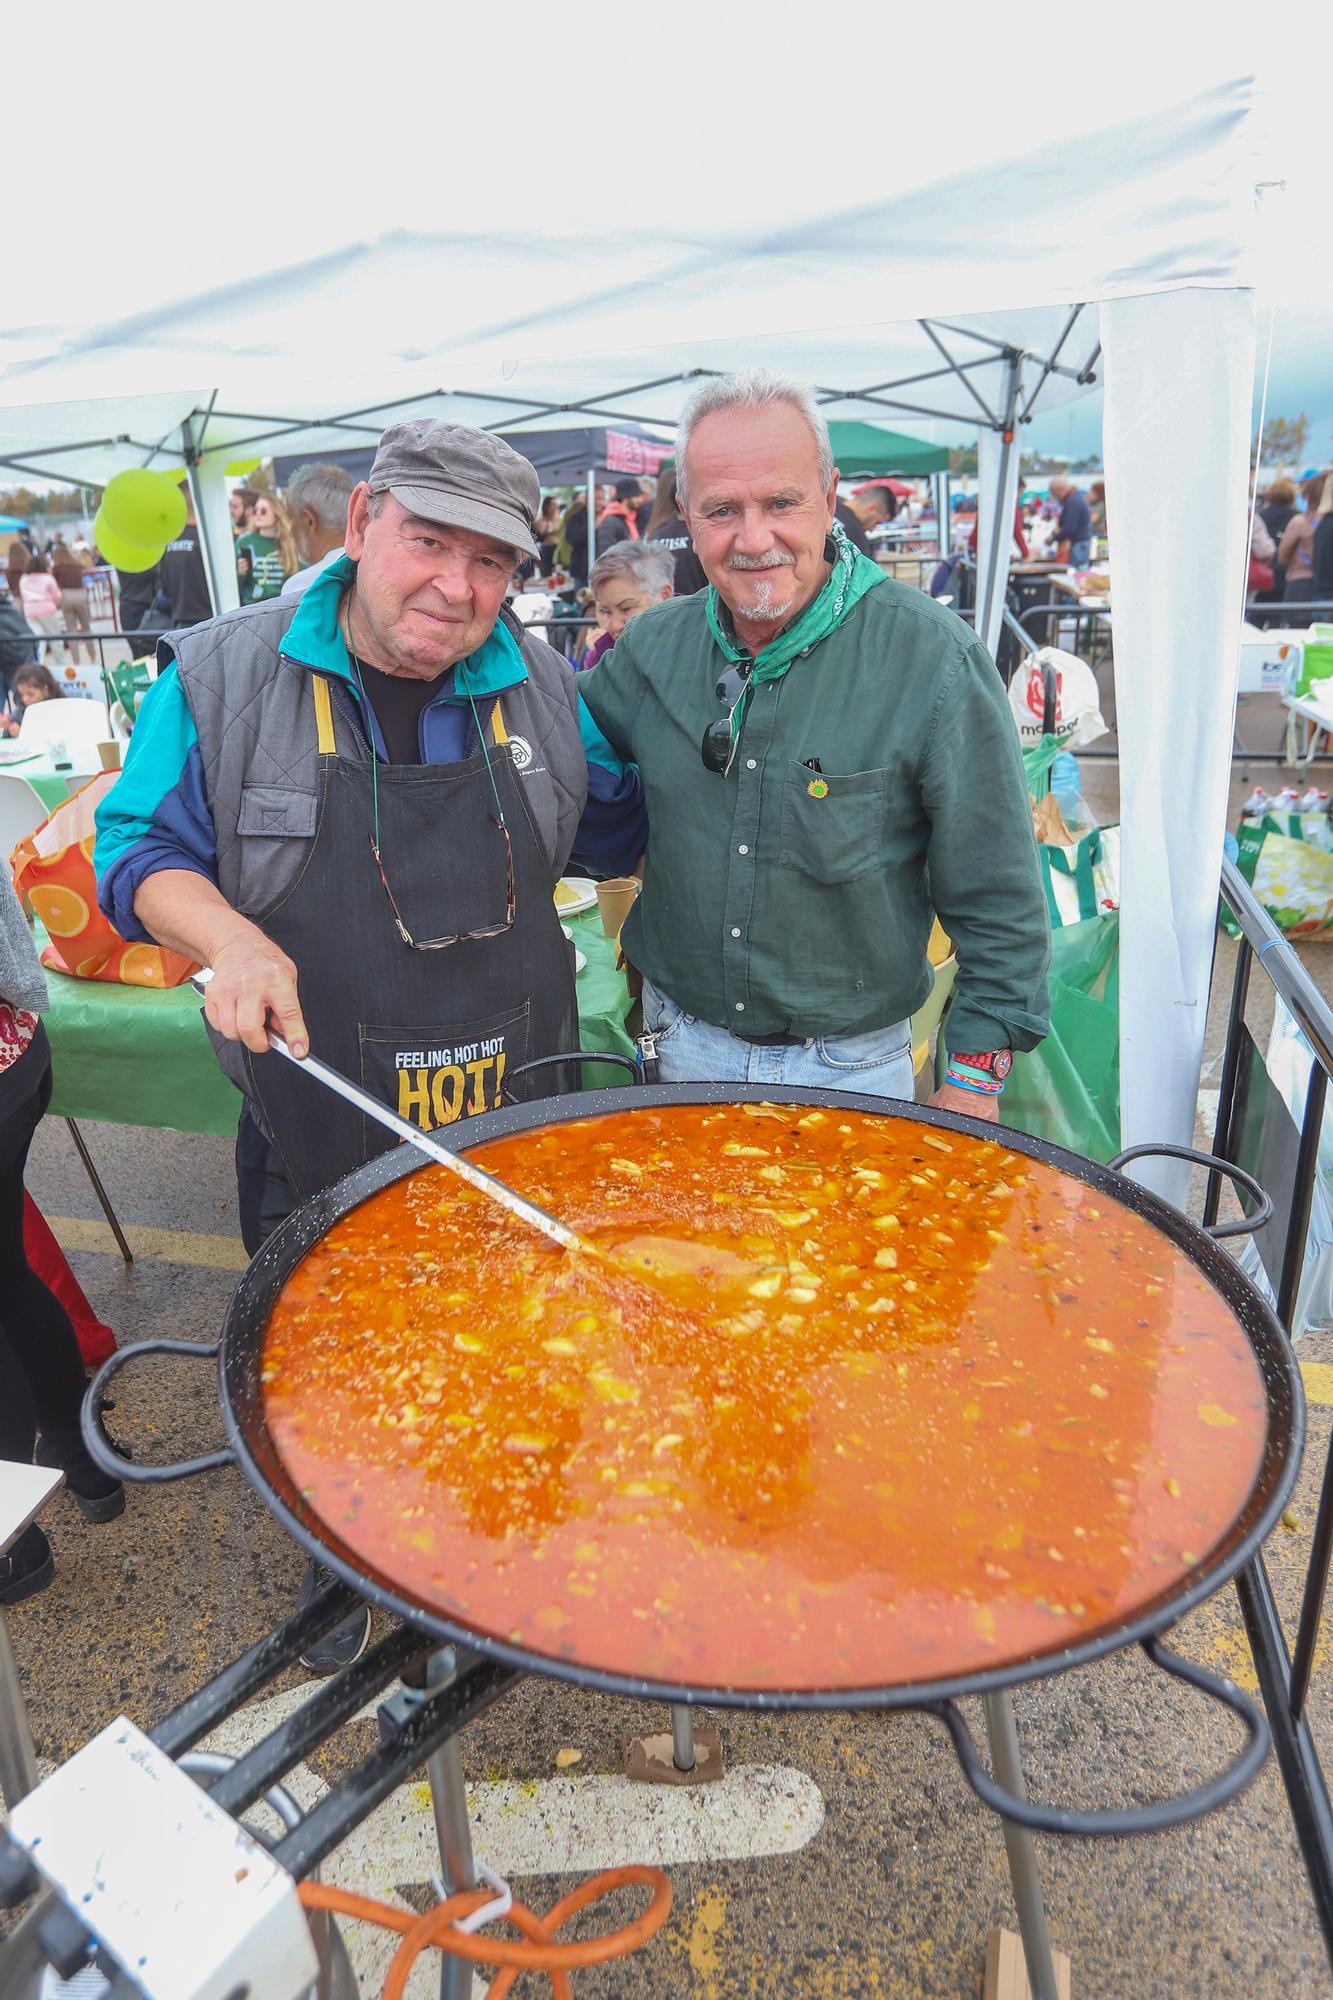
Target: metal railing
141	643
1284	1672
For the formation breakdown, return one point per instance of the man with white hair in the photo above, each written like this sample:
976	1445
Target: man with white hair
317	497
828	760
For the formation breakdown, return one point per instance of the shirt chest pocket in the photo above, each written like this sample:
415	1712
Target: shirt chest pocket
833	827
275	812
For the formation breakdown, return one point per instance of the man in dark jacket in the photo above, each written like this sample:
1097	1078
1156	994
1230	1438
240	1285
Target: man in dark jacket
182	577
137	590
620	521
1074	534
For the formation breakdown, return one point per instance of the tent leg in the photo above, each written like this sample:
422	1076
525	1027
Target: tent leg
996	495
592	517
212	511
943	524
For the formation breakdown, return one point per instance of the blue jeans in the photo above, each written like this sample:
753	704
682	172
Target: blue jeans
693	1051
1080	554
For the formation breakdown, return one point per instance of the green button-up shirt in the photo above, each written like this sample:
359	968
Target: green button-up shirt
782	899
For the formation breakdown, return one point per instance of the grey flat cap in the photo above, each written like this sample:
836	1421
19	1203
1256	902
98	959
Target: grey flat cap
461	478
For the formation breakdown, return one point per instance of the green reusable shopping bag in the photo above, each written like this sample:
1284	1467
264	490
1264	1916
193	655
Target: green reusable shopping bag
1069	879
1067	1089
1037	764
1317	663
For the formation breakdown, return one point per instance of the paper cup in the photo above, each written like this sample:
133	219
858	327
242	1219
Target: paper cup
110	756
615	900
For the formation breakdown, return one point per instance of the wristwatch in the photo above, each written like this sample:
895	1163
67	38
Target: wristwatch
992	1062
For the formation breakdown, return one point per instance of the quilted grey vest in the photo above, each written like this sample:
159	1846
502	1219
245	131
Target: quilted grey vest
255	718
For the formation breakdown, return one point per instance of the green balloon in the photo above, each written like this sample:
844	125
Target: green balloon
145	508
120	553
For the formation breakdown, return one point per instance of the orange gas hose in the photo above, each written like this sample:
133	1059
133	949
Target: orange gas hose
538	1951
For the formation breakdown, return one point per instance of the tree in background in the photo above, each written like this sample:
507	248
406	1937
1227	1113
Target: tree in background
1285	439
21	500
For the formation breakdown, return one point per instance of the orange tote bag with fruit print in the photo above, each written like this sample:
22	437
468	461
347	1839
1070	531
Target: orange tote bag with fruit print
53	869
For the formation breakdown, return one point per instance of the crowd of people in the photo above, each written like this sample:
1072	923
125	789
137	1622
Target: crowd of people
46	585
1291	546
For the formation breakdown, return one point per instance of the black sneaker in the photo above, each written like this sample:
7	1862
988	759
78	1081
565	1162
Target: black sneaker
97	1497
346	1642
28	1567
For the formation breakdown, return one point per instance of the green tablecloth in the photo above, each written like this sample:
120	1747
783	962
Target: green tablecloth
132	1056
50	785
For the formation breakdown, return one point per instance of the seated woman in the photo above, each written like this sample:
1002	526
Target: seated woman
31	684
625	582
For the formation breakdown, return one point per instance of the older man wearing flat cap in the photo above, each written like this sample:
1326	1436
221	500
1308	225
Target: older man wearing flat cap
353	806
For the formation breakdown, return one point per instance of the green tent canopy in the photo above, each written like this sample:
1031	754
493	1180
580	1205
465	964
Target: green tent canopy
866	450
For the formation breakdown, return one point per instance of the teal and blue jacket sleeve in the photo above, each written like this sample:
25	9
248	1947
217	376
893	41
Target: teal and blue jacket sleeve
156	814
613	831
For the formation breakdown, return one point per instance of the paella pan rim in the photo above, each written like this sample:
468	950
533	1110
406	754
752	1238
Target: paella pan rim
242	1404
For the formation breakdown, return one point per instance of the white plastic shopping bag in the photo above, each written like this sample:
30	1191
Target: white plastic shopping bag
1078	718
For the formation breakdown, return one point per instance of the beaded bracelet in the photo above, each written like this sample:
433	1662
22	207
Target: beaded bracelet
970	1083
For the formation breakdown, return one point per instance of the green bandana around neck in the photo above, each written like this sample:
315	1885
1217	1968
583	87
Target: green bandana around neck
851	576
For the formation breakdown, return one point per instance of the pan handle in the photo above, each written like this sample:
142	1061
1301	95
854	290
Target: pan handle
575	1055
1215	1165
1136	1819
98	1444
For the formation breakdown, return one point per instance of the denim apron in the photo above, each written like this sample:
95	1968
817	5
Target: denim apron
432	1033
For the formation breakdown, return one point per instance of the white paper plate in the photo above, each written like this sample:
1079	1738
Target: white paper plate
580	959
574	895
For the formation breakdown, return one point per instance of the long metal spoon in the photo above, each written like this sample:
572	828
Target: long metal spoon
476	1177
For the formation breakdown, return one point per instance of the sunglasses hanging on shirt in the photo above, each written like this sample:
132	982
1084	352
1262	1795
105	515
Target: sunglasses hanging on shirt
720	737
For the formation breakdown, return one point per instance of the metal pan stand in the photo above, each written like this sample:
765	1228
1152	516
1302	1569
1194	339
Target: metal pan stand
418	1727
445	1689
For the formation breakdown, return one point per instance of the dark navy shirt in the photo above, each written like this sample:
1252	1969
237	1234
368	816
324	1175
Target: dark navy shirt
1075	517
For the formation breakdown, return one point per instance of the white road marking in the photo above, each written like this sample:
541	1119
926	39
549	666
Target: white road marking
548	1826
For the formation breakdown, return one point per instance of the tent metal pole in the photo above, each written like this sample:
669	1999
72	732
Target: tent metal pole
54	450
896	403
980	401
44	472
900	382
997	554
212	513
592	517
525	408
940	481
571	410
1048	367
970	333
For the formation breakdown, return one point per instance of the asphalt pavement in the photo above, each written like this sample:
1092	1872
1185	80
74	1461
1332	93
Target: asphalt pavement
847	1858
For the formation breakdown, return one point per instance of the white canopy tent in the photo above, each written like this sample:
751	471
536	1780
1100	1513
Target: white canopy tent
968	303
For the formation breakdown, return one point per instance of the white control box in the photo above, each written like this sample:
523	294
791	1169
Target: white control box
188	1903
